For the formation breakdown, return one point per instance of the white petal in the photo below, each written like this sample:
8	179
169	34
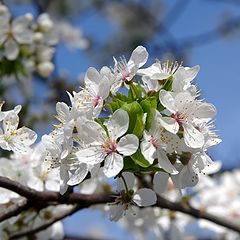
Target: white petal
64	176
192	137
90	131
116	212
25	136
63	112
118	123
11	49
147	149
183	77
10	123
128	145
129	179
205	112
165	163
160	182
90	155
170	124
104	88
167	100
113	165
79	175
139	57
92	76
145	197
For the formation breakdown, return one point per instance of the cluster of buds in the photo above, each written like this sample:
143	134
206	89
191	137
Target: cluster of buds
26	45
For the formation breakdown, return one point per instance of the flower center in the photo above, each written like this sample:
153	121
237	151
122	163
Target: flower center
180	119
96	101
110	146
154	142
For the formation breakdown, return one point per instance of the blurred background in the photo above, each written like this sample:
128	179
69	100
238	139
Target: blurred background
204	32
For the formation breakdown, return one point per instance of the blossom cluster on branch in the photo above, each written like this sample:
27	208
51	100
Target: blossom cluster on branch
26	46
126	121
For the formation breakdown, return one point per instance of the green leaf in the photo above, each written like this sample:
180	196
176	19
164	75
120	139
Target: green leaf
115	104
135	112
121	97
148	105
139	159
130	165
168	84
135	92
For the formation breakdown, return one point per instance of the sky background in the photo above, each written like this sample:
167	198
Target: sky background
218	80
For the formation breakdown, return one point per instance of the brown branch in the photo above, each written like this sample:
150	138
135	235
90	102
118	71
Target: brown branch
187	209
49	223
85	201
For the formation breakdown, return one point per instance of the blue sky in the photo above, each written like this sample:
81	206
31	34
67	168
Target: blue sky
218	80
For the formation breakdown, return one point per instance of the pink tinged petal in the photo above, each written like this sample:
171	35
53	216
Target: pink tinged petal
91	155
113	165
160	181
164	162
192	137
170	124
139	57
205	112
129	179
10	123
118	124
79	175
92	76
11	49
128	145
104	88
167	100
145	197
116	212
148	150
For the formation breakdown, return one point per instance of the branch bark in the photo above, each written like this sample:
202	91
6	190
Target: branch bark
85	201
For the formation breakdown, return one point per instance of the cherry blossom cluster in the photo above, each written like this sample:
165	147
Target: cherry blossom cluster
125	122
133	119
26	45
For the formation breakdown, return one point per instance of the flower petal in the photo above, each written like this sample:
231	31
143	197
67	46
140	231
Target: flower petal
116	212
192	137
145	197
165	163
113	165
128	145
170	124
11	49
167	100
129	179
139	57
147	149
79	175
90	155
118	123
92	76
160	181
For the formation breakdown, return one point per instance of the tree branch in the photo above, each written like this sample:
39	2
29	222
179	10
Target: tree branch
85	201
